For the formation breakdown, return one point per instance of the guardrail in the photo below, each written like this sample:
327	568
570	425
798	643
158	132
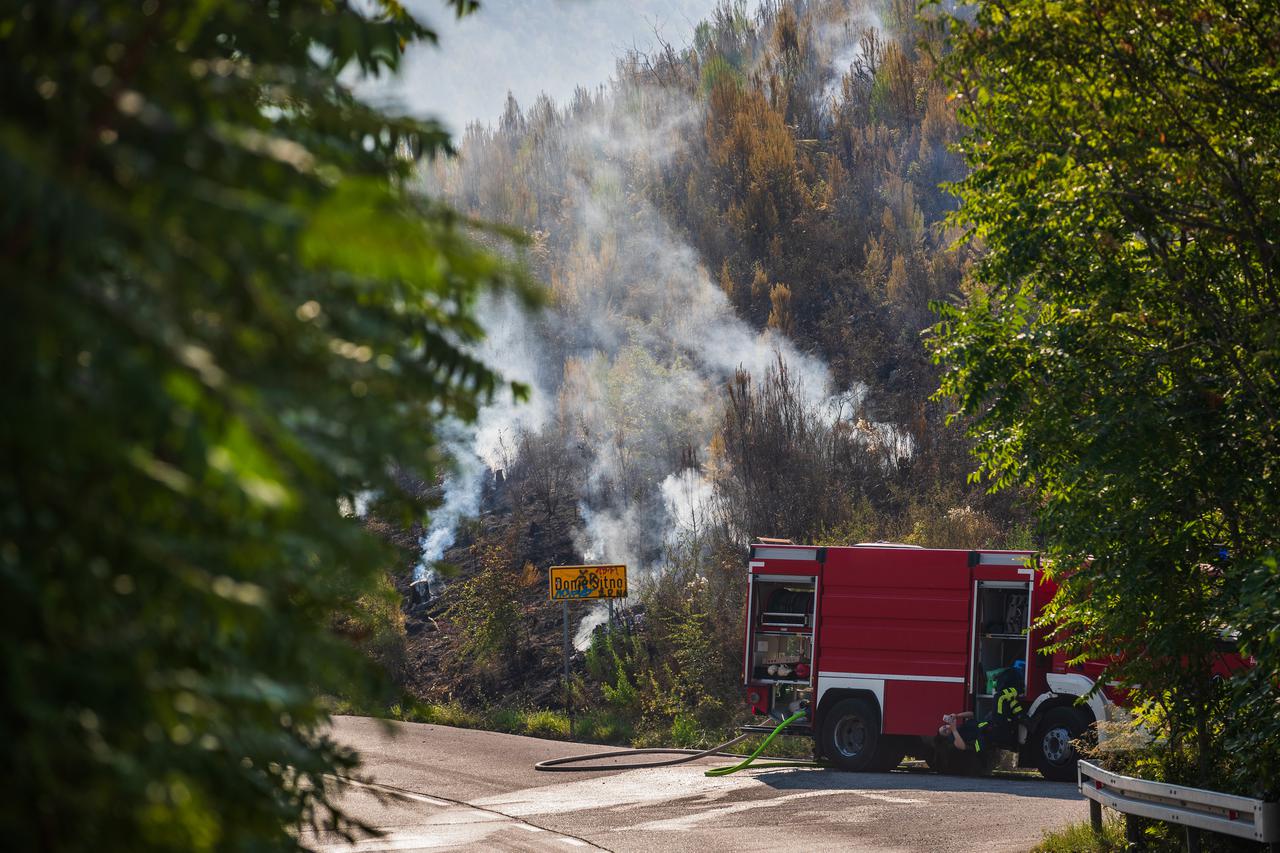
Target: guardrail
1193	808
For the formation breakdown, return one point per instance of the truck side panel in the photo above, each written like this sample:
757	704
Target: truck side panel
916	707
897	619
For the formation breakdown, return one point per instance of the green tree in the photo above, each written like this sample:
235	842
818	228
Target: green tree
1117	348
224	318
486	609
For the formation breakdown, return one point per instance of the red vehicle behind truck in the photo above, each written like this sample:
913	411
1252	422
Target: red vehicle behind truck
879	641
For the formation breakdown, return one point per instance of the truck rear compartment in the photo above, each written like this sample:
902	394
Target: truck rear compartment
1001	623
780	637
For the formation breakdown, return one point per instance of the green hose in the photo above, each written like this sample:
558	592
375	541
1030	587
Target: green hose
725	771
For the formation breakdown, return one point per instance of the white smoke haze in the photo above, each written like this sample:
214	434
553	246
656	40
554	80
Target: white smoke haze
609	536
886	440
462	490
843	41
594	618
690	499
606	536
632	355
651	339
487	445
513	348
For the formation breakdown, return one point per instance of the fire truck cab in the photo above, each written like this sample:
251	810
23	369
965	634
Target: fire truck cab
878	641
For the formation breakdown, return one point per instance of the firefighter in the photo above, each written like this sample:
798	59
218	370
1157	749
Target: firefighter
1009	711
998	730
1007	704
1007	688
966	732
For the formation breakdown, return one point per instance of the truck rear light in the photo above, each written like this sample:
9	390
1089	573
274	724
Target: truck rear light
754	697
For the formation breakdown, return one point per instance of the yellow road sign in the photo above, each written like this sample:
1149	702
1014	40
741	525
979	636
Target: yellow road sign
569	583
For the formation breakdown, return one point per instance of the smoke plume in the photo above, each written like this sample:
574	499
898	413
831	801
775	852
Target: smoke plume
630	360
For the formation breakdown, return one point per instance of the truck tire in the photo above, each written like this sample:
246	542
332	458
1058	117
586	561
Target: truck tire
1053	746
889	753
851	735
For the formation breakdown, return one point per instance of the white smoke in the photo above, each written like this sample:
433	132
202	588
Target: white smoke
844	42
658	338
608	535
690	501
637	344
487	446
462	490
596	616
885	440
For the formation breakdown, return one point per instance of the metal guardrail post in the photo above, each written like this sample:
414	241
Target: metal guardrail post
1133	832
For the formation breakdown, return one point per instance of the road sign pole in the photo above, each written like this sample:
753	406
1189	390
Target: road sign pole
568	697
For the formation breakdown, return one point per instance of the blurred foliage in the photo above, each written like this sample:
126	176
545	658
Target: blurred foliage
375	623
1117	347
225	318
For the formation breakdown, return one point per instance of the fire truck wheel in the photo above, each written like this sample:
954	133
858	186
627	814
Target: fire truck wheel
890	753
851	735
1055	751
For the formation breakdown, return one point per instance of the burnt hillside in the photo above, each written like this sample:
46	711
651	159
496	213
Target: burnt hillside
740	242
505	550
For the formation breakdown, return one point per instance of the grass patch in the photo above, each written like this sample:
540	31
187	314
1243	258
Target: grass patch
591	726
603	726
1157	837
338	705
684	733
553	724
1080	838
509	720
783	746
443	714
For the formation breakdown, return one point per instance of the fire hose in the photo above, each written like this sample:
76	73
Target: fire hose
573	763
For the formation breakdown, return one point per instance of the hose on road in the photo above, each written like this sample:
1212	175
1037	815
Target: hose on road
574	763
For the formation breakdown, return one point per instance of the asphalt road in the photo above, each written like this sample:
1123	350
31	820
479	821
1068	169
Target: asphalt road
438	788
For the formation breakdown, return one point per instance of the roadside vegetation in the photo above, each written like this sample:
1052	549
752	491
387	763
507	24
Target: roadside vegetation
1081	838
1157	837
1115	352
599	725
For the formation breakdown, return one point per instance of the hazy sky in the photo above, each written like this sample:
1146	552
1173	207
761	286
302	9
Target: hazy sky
526	47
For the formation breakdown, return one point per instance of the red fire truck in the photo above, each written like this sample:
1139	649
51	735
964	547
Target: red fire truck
881	640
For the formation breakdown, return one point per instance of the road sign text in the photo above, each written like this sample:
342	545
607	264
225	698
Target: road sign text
579	582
